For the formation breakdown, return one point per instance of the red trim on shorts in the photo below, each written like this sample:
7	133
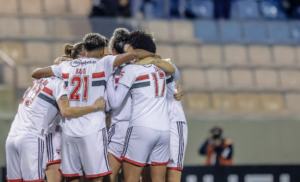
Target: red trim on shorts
98	175
68	175
38	180
133	162
14	180
53	162
175	168
160	163
117	158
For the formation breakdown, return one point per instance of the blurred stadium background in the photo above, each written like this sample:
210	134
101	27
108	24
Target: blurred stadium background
241	72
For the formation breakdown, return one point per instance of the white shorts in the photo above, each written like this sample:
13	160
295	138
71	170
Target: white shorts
178	142
88	154
116	139
53	141
25	158
145	145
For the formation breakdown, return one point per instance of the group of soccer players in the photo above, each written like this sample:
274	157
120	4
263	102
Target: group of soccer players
61	128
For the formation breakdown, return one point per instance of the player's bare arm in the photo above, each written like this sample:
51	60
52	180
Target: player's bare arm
42	73
178	96
67	111
164	65
134	54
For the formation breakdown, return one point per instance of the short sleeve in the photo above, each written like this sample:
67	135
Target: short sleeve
57	70
109	64
127	76
59	90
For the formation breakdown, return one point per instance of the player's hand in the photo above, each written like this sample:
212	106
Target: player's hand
58	60
100	103
157	56
145	61
178	96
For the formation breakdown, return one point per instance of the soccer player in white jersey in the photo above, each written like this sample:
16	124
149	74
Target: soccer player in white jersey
84	139
53	139
148	135
25	144
120	116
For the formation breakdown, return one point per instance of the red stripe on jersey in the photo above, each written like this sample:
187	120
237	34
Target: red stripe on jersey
143	77
98	75
98	175
117	80
65	75
48	91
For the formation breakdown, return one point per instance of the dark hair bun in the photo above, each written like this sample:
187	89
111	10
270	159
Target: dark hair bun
68	49
118	40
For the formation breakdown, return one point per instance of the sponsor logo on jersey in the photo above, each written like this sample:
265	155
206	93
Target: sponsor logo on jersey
171	161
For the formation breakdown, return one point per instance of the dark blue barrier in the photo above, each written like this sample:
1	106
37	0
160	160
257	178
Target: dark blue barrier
264	173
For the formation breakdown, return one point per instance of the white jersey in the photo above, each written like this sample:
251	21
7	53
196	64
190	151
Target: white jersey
123	113
175	110
148	92
85	79
38	107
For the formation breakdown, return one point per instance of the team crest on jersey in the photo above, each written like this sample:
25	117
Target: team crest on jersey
122	73
58	151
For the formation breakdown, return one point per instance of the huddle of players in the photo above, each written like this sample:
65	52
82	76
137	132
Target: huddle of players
148	130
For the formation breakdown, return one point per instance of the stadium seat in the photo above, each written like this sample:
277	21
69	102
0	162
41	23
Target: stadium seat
23	77
255	32
266	79
39	52
298	54
55	7
181	34
272	102
260	55
224	102
14	50
193	79
9	7
293	102
58	49
295	31
85	27
278	32
206	31
284	55
198	102
211	55
167	51
235	55
242	79
10	28
63	29
271	9
248	103
31	7
31	31
230	31
161	29
187	55
244	9
8	75
201	8
6	98
80	8
290	79
217	78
